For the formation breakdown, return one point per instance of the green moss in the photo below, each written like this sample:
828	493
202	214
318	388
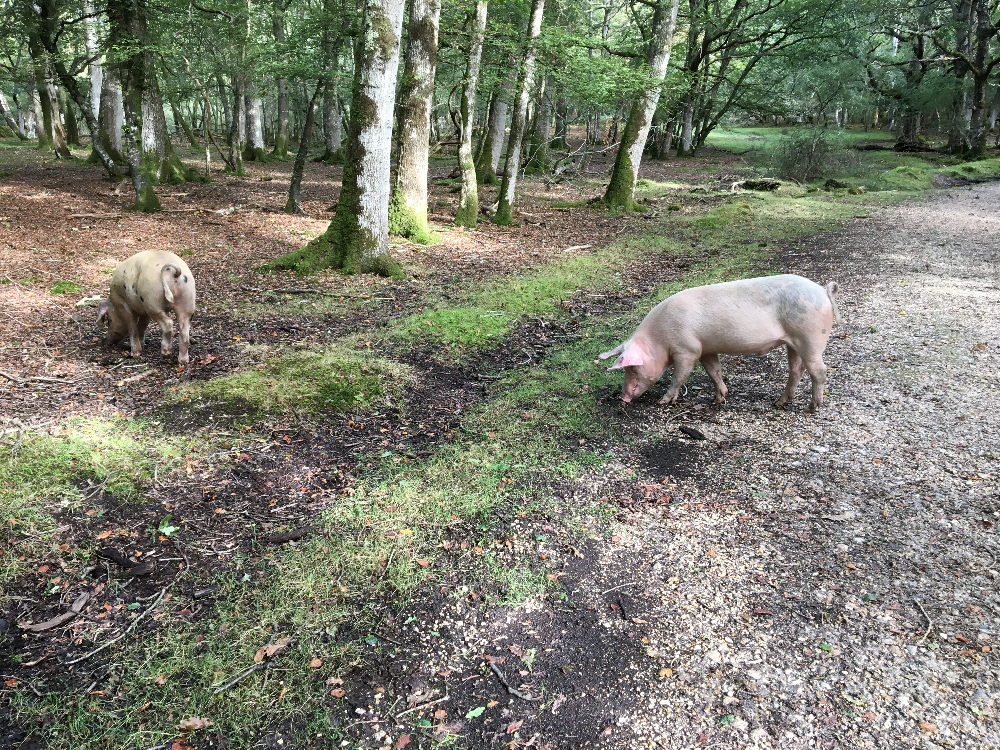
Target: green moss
311	381
407	222
255	154
65	287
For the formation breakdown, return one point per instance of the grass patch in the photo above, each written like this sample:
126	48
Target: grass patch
490	312
65	287
311	380
52	473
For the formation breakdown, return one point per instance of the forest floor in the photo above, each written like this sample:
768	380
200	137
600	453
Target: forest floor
377	513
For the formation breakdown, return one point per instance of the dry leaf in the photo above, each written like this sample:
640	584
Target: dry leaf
440	714
338	692
515	649
193	724
402	742
513	727
423	563
160	679
334	681
315	663
927	727
557	703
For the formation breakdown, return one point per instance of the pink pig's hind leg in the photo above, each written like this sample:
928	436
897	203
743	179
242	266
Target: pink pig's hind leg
683	364
711	364
817	373
795	369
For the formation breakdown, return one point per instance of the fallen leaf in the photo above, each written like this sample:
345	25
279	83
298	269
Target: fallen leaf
334	681
514	726
338	692
762	611
44	569
423	563
440	714
476	712
104	534
193	724
515	649
266	652
927	727
665	672
491	704
160	679
961	638
402	742
315	663
557	703
11	682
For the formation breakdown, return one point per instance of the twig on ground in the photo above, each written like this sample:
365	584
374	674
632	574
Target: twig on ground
616	588
240	677
94	216
128	630
422	706
13	378
511	690
930	622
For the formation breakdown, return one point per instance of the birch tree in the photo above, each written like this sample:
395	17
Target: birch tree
408	206
505	204
620	192
468	203
357	239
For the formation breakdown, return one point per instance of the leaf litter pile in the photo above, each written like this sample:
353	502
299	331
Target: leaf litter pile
728	576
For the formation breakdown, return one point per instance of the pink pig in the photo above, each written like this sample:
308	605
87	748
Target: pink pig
752	316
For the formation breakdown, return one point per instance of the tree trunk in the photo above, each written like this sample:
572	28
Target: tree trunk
43	114
9	118
562	122
408	205
281	131
539	151
162	165
621	188
467	214
505	204
94	70
332	119
60	144
237	129
72	126
227	116
182	124
357	239
293	205
110	117
39	116
492	143
255	125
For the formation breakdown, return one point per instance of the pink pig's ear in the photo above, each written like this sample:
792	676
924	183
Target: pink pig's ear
103	312
633	356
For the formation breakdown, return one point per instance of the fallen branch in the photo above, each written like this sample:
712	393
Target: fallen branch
70	614
243	676
94	216
128	630
13	378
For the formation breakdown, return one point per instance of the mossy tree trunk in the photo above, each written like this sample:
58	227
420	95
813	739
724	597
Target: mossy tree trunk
184	126
255	125
162	165
293	205
357	239
60	144
43	127
467	214
493	137
280	149
408	204
237	128
620	192
505	204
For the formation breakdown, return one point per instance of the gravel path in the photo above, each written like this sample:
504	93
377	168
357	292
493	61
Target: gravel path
831	581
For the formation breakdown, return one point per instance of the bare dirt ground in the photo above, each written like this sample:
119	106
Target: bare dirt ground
791	581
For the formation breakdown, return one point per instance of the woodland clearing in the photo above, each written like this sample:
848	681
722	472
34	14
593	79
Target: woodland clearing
386	512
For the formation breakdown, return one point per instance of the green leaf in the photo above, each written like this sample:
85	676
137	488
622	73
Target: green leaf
475	712
826	646
727	719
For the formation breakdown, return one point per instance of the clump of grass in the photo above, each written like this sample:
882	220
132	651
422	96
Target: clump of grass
65	287
312	380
